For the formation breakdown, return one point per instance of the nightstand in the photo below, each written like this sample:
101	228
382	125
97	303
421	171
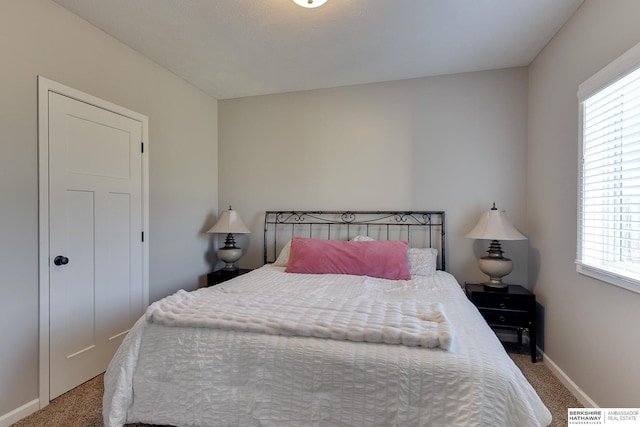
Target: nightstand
222	275
513	308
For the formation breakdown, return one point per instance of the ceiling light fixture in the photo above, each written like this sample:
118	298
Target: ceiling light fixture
309	4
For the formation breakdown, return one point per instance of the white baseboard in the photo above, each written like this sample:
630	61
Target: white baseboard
582	397
19	413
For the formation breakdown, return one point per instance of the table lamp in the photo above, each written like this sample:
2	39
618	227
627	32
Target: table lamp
494	226
229	223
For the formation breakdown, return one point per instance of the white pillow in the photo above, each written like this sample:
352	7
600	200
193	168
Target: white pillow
283	258
422	261
360	238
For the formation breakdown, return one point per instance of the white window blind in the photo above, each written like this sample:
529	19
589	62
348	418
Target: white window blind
609	199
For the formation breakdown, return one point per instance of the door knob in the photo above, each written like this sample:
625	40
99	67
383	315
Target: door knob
61	260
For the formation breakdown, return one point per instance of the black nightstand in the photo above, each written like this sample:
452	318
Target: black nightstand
512	308
220	276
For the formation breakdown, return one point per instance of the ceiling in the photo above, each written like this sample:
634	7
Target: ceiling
236	48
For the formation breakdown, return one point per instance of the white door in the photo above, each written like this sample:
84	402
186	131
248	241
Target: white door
95	237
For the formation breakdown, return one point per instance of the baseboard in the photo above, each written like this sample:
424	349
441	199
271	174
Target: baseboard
582	397
19	413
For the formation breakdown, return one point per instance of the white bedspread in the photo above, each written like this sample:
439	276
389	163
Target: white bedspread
211	377
370	314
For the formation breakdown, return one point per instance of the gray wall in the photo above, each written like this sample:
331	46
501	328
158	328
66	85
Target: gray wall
590	327
38	37
455	143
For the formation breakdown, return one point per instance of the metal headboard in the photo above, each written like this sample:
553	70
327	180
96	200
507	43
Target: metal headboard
422	229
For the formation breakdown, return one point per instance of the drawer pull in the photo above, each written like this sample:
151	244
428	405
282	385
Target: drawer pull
502	319
502	305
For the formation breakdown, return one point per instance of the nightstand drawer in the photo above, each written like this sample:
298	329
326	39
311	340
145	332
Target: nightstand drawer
506	317
502	302
223	275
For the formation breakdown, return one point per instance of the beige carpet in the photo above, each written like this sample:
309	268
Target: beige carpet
82	406
552	392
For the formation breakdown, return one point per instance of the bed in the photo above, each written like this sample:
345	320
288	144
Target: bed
281	348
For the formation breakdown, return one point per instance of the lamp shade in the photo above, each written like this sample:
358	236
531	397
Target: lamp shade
229	222
493	225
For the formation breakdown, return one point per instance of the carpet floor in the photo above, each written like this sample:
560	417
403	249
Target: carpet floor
82	406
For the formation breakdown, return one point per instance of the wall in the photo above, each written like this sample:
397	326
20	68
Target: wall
38	37
455	143
590	327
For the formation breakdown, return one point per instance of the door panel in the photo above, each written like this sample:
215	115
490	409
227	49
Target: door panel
95	220
97	149
75	299
115	292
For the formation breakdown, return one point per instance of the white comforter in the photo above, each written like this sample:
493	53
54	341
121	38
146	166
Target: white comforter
198	376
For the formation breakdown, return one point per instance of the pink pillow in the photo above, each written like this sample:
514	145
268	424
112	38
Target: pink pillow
386	259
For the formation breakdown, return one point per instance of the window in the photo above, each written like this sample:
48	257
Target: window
609	188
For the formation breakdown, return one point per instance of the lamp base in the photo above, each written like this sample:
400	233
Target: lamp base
229	256
493	287
495	266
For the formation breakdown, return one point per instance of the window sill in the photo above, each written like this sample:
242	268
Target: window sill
607	277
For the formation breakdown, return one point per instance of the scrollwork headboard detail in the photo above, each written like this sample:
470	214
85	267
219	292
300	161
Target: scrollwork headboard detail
422	229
